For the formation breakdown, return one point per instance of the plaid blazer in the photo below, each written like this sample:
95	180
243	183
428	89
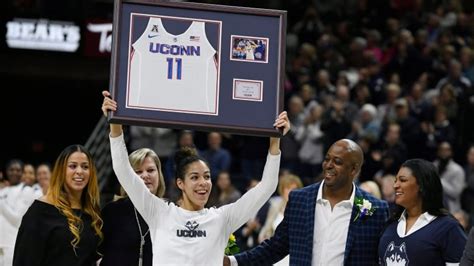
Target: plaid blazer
294	235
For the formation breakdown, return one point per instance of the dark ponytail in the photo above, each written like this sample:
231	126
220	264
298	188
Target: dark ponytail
184	157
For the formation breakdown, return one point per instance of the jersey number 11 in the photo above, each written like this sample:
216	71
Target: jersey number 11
170	67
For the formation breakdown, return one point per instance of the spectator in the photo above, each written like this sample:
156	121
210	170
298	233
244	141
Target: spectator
185	139
247	235
219	158
289	145
390	153
15	200
275	214
452	177
29	179
372	188
410	130
311	138
225	192
468	194
456	78
335	124
467	62
388	192
252	157
366	125
161	140
386	110
43	176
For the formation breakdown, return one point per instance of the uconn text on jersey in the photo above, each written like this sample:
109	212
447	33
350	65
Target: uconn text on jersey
189	50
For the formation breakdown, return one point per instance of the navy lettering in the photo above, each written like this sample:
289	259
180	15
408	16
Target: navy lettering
190	233
159	48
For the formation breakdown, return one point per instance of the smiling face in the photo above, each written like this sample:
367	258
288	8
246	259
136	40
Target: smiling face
149	173
406	189
14	173
28	176
43	175
196	185
77	173
341	165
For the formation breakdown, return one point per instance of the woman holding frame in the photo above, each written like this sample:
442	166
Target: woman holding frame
190	234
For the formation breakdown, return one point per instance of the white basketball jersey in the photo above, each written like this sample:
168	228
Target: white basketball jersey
176	73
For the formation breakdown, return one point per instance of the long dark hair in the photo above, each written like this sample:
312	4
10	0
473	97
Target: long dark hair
431	190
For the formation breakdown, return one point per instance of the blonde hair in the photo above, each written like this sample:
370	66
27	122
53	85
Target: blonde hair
136	159
90	198
287	180
371	187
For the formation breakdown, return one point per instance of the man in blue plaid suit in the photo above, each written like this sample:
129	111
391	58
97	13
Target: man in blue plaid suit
332	222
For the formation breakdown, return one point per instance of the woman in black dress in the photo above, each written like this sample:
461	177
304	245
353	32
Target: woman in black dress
64	226
126	236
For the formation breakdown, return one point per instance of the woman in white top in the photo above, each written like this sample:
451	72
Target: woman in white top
190	234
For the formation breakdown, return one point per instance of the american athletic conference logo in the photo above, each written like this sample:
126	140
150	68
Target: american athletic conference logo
192	231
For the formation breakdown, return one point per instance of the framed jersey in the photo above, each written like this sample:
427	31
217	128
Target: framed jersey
198	66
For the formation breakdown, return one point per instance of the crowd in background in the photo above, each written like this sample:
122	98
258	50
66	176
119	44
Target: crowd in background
396	76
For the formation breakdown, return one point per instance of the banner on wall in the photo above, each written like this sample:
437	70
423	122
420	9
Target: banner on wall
98	38
43	34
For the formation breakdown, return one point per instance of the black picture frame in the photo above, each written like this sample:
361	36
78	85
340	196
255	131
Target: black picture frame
238	88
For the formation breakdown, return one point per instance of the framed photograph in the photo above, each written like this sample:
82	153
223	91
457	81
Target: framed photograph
249	49
198	66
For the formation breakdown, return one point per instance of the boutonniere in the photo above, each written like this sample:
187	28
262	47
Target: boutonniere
364	208
232	247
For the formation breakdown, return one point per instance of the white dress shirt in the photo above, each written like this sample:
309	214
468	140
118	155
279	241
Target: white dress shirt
330	229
